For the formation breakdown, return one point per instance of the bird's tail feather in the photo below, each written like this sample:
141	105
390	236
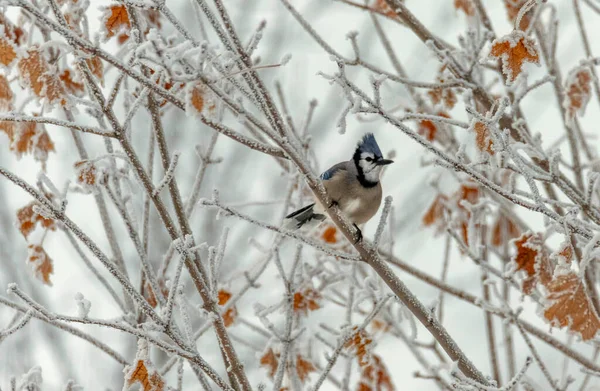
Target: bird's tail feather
302	216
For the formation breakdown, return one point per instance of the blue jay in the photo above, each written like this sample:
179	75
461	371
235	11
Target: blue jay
353	185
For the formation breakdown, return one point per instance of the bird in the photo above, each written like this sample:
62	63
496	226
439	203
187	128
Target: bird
354	186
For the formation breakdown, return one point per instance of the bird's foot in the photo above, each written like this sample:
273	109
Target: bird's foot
358	234
332	204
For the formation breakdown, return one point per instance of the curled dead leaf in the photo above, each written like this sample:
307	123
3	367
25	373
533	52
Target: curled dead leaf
514	50
578	91
27	219
230	315
40	262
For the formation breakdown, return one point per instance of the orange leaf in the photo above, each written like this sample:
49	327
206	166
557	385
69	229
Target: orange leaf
96	67
578	91
329	235
31	137
306	301
28	219
87	173
229	316
304	368
468	191
375	376
512	9
483	139
6	104
12	32
71	85
360	345
443	95
383	7
571	307
531	258
38	75
466	6
270	361
8	54
427	129
503	230
435	213
514	49
200	100
143	373
41	263
117	20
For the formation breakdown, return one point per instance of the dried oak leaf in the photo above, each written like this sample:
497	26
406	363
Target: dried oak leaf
8	52
435	213
304	368
427	129
40	262
360	345
570	306
483	140
503	230
465	6
143	375
306	300
375	376
578	91
533	260
329	235
514	49
27	219
270	360
40	77
230	315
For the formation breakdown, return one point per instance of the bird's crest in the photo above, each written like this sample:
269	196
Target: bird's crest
368	144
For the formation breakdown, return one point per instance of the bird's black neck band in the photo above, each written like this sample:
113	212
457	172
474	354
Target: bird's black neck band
361	174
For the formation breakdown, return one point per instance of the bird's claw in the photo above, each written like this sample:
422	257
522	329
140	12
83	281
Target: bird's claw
358	234
333	202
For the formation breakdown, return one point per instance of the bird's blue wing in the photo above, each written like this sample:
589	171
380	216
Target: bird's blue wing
332	171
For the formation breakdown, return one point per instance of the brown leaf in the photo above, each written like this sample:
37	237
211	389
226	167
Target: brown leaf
40	262
427	129
230	315
304	368
6	105
8	54
564	253
40	77
483	140
512	10
96	67
306	300
533	260
270	361
359	344
514	49
27	219
503	230
116	19
31	137
465	6
435	213
71	85
578	91
383	7
14	33
570	306
86	172
200	100
375	376
329	235
149	381
444	96
468	191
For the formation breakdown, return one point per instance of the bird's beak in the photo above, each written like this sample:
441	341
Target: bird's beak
384	162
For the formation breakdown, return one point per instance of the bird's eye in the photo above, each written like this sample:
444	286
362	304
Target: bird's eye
369	159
